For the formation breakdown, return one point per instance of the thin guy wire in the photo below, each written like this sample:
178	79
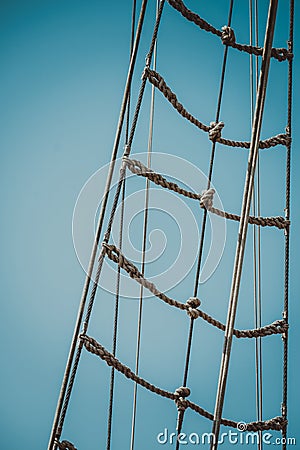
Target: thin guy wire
115	333
259	233
145	230
242	234
256	232
133	19
148	62
204	219
62	400
117	297
122	171
259	230
109	227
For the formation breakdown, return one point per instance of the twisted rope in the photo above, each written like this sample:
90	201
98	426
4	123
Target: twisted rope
227	34
179	396
114	254
74	354
206	198
65	445
284	406
214	129
139	169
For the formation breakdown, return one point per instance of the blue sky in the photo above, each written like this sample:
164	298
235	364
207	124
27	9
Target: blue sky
64	66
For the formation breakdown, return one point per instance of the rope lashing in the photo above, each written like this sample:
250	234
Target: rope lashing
180	398
193	303
281	54
215	129
65	445
182	404
97	349
206	198
157	80
277	327
228	36
278	423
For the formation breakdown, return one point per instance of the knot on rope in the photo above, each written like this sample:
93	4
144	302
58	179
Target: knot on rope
228	36
126	162
146	73
193	303
180	394
215	130
278	423
207	197
107	249
65	445
119	258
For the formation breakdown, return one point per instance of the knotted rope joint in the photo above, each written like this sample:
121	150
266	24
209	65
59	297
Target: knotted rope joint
207	199
228	36
193	303
215	130
180	398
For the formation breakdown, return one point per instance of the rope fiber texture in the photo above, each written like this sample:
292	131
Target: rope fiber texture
214	129
65	445
205	198
227	34
92	346
114	254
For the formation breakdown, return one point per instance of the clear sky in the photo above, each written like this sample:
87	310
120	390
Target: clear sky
63	69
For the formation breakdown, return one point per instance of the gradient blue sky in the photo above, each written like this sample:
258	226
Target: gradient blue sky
63	70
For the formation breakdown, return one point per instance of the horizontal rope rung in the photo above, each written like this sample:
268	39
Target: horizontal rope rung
227	34
214	129
97	349
205	199
115	255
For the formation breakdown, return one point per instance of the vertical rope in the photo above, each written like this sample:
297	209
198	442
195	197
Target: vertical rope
259	242
71	366
115	332
144	244
242	235
57	428
256	230
117	297
133	18
122	172
203	226
287	214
